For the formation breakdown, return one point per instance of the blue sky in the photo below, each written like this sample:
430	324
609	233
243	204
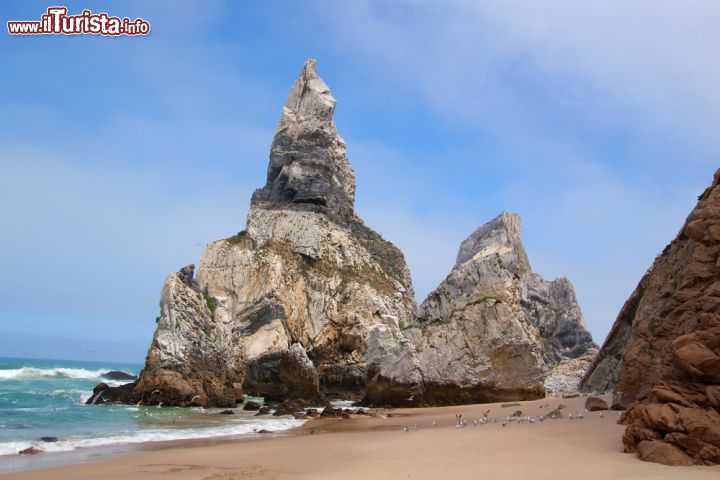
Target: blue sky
120	158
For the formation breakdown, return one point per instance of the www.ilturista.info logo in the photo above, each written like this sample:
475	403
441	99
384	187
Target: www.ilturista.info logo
57	22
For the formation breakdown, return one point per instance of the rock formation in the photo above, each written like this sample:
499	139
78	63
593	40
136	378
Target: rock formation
187	363
287	307
493	329
308	303
664	350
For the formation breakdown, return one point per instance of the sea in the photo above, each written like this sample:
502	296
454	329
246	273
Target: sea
46	398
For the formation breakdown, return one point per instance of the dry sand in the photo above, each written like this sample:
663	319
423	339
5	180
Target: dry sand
377	448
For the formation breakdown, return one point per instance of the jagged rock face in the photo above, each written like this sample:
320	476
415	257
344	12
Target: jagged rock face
307	157
187	361
553	309
395	376
602	375
299	375
286	308
493	328
308	302
664	350
302	287
499	237
297	277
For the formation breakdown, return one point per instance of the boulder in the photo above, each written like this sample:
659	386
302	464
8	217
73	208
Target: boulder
298	374
330	412
291	407
30	451
595	404
118	375
252	406
661	452
97	397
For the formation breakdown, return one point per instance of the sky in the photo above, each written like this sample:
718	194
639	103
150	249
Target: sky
121	158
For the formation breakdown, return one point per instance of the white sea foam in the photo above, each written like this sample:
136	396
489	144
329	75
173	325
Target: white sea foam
51	372
81	373
342	403
243	427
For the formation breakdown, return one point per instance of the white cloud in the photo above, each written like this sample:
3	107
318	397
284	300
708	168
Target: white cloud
653	65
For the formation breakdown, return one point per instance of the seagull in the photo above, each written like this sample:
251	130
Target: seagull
193	398
434	424
154	392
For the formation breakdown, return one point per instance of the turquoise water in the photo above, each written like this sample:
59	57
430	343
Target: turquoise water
46	398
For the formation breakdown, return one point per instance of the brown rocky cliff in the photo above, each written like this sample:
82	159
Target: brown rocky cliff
667	339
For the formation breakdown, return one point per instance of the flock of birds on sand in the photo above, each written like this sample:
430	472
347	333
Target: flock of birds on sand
516	417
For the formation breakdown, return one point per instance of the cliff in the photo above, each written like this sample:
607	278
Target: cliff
662	356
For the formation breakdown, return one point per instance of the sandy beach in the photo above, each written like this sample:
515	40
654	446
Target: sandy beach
378	448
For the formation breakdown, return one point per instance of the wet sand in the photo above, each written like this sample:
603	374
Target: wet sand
378	448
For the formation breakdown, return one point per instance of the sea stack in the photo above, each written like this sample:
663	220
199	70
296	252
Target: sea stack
494	330
309	303
662	357
285	308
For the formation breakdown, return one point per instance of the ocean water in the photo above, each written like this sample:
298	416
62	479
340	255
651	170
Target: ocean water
46	398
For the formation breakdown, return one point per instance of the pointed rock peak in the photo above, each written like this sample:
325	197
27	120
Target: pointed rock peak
310	97
308	167
499	236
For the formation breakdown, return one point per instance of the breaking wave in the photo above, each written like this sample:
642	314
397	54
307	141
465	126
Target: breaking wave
32	372
245	427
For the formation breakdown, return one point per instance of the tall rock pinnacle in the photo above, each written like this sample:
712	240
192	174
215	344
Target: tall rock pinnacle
500	236
307	158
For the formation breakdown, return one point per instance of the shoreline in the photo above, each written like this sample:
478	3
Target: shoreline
370	447
100	453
